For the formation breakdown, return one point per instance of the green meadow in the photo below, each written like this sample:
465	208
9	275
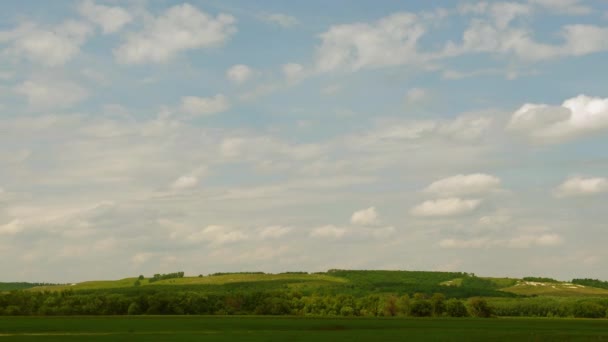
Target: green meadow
239	328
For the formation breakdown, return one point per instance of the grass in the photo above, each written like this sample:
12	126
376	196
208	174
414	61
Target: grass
555	289
352	282
231	328
313	279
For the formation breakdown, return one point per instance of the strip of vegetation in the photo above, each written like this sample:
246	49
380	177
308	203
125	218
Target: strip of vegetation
21	286
158	277
591	282
541	279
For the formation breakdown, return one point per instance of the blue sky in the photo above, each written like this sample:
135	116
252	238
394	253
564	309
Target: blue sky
204	136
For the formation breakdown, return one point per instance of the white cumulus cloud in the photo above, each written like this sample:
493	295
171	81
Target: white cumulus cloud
43	94
328	232
445	207
217	235
52	46
185	182
391	40
293	72
365	217
12	228
476	183
274	232
283	20
416	95
240	73
579	186
522	241
111	19
195	106
571	7
182	27
577	116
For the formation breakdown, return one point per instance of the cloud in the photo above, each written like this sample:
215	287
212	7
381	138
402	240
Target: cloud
578	186
43	94
498	219
390	41
141	258
365	217
12	228
197	106
445	207
110	19
217	235
493	30
331	89
293	72
52	46
578	116
328	232
283	20
274	232
523	241
240	73
569	7
465	128
185	182
476	183
180	28
416	95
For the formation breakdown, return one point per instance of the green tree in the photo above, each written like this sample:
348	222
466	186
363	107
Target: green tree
455	308
404	305
134	309
390	307
478	307
438	304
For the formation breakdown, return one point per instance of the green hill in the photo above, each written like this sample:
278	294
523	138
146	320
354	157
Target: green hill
20	286
334	282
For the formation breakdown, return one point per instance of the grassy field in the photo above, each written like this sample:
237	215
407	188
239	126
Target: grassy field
353	281
317	279
554	289
197	328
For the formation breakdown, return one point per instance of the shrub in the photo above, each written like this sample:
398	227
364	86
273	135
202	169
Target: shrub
421	308
455	308
134	309
478	307
588	310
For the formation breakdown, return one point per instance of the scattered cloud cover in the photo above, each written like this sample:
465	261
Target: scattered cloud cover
205	138
274	232
568	7
328	232
523	241
195	105
416	95
391	40
476	183
111	19
579	186
51	94
365	217
576	117
283	20
445	207
180	28
51	46
240	73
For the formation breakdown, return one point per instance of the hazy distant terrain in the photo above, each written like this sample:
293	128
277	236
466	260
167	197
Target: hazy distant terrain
331	293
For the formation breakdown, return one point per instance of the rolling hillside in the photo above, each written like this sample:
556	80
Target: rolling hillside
452	284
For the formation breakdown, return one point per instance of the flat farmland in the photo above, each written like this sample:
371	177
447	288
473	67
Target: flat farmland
240	328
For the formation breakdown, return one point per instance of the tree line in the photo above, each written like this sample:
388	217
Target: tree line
172	302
